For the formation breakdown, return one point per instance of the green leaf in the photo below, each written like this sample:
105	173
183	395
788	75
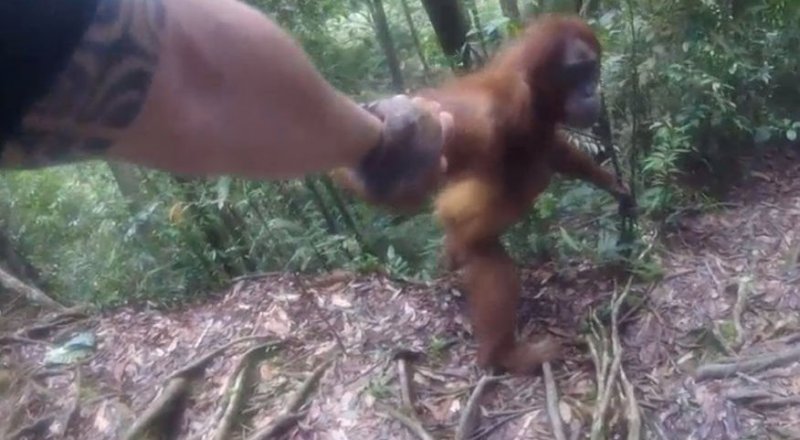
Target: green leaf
762	135
791	135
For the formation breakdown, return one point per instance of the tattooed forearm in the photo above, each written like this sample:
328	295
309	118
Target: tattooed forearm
99	93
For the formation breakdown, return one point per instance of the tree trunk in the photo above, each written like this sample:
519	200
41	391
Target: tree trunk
451	26
510	9
476	19
426	69
387	44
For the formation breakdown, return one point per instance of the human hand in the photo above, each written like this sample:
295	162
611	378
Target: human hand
408	163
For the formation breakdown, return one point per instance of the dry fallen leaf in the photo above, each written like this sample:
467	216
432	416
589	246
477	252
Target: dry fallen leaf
565	411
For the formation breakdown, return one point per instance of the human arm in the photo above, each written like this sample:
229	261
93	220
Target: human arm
205	87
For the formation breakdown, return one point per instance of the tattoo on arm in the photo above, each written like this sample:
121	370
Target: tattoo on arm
100	91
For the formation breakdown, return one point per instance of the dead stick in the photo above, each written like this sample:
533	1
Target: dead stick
552	402
412	423
754	364
470	414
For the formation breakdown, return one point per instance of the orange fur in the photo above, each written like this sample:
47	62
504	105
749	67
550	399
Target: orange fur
503	154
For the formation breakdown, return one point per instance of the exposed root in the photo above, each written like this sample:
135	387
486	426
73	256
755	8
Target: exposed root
163	415
74	407
280	425
405	375
199	365
632	411
609	372
29	291
62	318
748	365
236	389
37	429
738	310
470	415
412	423
291	413
552	402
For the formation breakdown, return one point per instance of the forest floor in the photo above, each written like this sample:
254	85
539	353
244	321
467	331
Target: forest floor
730	296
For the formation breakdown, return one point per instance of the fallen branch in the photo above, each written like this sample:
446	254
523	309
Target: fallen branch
236	388
469	416
552	402
412	423
291	413
751	365
164	413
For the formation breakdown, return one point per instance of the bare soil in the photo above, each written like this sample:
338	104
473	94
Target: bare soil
731	291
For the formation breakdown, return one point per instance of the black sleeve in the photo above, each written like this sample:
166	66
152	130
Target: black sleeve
37	38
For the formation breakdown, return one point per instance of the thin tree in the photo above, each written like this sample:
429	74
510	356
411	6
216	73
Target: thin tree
387	43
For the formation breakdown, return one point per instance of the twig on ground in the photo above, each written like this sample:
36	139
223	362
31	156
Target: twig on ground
751	365
552	402
738	310
236	389
471	413
291	413
412	423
